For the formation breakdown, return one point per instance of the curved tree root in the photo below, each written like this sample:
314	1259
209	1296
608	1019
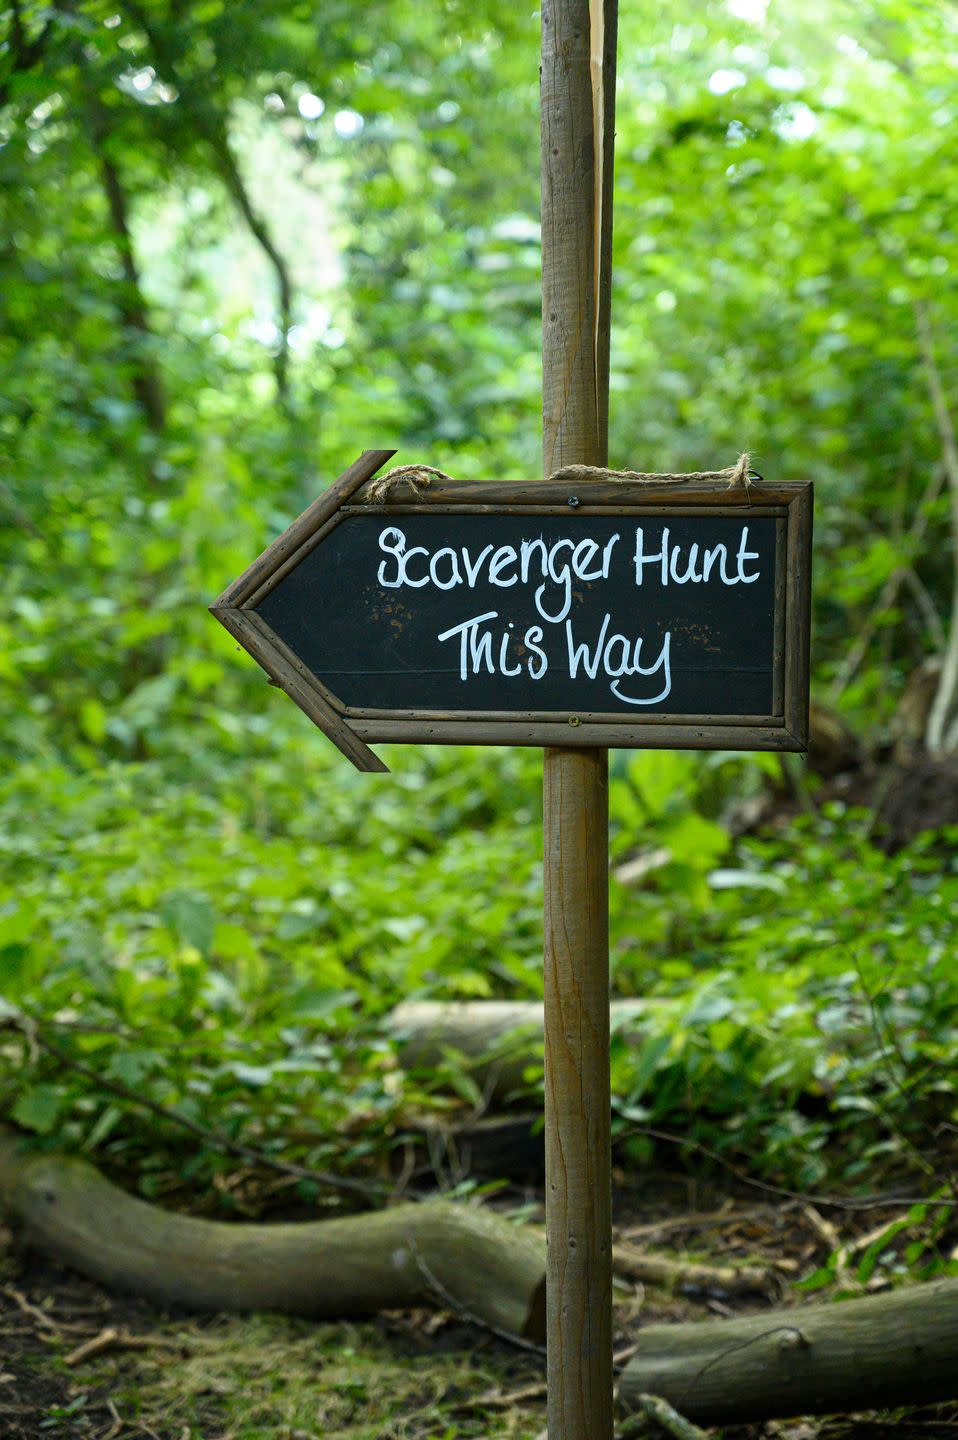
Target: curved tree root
885	1350
327	1269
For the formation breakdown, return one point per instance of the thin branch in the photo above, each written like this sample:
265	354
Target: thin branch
212	126
233	179
653	1407
24	53
871	1202
28	53
941	714
114	1337
951	737
926	607
40	1317
711	1220
134	313
453	1305
687	1275
497	1400
147	386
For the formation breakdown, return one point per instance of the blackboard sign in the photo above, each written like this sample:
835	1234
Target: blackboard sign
518	613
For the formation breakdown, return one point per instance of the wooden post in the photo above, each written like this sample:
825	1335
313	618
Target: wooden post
578	1156
577	106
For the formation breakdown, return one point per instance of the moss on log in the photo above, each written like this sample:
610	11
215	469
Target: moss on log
328	1269
899	1348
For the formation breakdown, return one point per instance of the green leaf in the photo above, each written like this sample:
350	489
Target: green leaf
191	918
38	1109
103	1127
16	925
652	1053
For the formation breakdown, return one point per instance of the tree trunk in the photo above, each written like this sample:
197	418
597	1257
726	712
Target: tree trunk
146	383
497	1039
213	126
409	1255
885	1350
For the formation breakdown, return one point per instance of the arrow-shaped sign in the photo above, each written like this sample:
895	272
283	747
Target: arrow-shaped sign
514	612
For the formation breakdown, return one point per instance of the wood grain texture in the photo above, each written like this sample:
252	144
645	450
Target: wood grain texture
235	610
622	734
571	198
554	717
577	118
297	682
358	1265
798	617
577	1095
495	1040
608	496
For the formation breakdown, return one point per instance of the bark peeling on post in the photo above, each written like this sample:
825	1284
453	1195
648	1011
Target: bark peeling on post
577	99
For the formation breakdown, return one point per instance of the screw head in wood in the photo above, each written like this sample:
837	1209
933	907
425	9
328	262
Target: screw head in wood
573	502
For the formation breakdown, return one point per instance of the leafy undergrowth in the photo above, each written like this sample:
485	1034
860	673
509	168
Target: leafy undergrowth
220	932
205	910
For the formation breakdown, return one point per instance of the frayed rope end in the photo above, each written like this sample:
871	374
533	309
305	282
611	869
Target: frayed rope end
417	477
738	474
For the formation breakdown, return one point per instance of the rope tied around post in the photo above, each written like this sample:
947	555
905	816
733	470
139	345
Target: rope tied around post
419	477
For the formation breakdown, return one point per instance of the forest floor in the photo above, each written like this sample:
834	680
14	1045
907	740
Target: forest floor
78	1362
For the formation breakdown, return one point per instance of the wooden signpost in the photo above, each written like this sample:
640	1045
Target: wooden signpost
583	611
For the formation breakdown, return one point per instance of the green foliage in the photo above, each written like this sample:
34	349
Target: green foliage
225	945
220	948
198	900
811	1008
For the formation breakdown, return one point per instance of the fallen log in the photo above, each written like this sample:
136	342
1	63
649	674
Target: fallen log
497	1146
885	1350
327	1269
497	1040
692	1278
881	1351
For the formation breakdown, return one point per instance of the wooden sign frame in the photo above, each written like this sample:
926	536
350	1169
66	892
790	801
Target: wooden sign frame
352	728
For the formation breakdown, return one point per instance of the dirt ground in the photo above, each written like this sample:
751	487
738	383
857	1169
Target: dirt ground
78	1362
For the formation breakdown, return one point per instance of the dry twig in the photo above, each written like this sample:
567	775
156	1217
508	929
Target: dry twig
113	1338
654	1408
461	1313
684	1275
40	1317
